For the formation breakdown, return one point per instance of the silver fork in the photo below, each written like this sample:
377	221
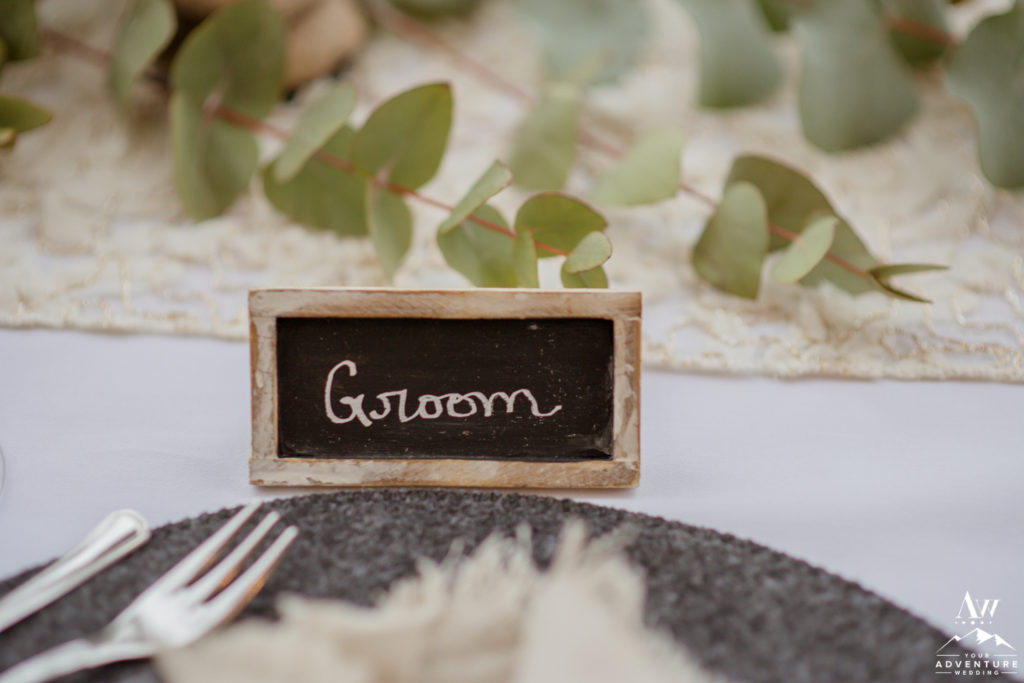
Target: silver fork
178	609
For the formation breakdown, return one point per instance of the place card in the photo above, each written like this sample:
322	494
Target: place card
485	387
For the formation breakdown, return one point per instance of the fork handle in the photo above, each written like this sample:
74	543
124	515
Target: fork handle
72	656
116	536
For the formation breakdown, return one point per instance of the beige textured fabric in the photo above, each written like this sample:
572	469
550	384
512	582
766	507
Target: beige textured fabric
94	237
490	618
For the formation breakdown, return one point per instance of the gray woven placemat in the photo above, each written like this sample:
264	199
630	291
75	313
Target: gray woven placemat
742	609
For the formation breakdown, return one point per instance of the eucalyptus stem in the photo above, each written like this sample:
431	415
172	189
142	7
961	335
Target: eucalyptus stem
99	57
404	25
920	30
255	125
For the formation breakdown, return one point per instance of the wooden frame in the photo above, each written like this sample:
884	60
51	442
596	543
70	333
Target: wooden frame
622	308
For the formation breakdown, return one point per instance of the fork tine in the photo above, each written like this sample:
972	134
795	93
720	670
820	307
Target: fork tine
242	590
200	557
222	572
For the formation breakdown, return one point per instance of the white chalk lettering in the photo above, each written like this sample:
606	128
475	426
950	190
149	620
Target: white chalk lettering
428	406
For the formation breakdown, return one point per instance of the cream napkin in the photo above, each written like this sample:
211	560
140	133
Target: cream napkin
490	617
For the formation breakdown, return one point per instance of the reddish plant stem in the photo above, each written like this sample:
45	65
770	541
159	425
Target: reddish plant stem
921	30
402	24
841	262
237	118
407	26
62	41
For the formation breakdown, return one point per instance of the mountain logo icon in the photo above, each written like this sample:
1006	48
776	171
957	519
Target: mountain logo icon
980	640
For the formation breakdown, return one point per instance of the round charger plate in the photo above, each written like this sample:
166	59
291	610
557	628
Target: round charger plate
743	610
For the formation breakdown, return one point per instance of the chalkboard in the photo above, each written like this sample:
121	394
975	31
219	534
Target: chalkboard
535	389
468	388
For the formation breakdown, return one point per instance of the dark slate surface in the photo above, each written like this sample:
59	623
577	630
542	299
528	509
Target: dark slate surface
565	362
742	609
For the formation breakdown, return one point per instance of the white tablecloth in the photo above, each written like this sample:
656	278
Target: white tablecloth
915	490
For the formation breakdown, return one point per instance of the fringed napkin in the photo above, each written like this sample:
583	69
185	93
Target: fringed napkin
491	617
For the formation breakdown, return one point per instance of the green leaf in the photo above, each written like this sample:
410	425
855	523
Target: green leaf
236	56
918	51
495	179
649	173
390	227
21	115
318	123
213	160
592	252
558	220
321	195
3	54
146	30
880	278
854	88
575	34
595	279
892	269
18	28
405	137
731	250
791	197
738	65
7	137
485	257
848	247
988	72
778	13
525	254
806	251
545	141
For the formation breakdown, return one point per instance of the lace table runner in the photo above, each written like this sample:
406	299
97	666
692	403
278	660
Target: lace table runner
94	237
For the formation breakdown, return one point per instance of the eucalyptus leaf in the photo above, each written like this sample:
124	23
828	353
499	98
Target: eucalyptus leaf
880	278
213	160
525	259
545	142
20	115
575	34
892	269
405	137
390	225
592	251
649	173
594	279
496	178
778	13
918	51
236	56
848	247
485	257
889	290
738	65
558	220
731	250
18	28
854	89
145	31
792	198
321	195
318	123
988	72
806	251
